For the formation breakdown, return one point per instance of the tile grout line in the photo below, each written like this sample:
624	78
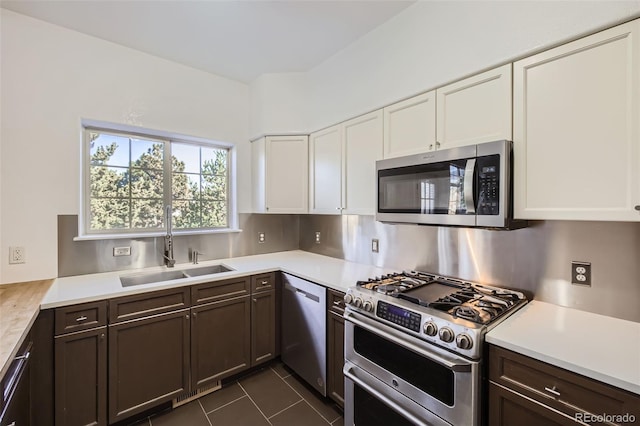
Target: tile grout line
285	409
254	403
309	404
277	374
225	405
205	413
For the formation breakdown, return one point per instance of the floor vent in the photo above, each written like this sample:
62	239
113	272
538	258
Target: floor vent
188	397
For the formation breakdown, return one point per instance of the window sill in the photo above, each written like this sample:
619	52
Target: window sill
133	235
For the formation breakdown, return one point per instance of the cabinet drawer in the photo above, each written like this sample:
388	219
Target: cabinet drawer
263	282
335	301
80	317
146	304
555	387
218	290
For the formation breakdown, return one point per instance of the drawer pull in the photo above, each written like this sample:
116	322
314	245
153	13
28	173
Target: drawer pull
552	391
265	282
337	303
80	319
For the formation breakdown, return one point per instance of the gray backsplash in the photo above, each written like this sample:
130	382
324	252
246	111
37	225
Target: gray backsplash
536	259
86	257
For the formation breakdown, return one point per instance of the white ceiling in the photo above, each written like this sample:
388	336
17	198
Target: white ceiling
233	38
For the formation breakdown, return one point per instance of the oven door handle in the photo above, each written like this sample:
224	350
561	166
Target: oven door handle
450	364
350	373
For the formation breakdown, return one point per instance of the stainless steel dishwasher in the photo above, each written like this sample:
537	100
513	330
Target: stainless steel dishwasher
304	330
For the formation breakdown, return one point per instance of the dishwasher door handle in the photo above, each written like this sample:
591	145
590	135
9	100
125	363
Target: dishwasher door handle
302	293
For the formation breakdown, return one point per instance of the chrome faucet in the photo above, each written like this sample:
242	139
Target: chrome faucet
168	241
194	256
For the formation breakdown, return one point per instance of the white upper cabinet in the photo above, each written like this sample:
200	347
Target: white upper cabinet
362	147
280	174
410	126
325	171
577	129
474	110
342	166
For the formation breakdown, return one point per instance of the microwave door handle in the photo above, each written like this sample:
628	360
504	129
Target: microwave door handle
469	174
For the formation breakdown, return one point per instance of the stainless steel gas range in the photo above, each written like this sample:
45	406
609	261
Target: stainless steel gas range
413	348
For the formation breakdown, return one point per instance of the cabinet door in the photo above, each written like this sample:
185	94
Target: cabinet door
507	408
576	129
263	327
287	174
475	110
335	357
220	340
410	126
362	146
325	171
81	378
148	363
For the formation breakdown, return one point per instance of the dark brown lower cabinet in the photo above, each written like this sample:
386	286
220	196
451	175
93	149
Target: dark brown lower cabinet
148	362
507	408
81	378
220	340
263	326
335	347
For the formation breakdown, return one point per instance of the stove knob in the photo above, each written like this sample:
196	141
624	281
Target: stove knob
358	302
446	334
368	306
430	328
348	298
464	342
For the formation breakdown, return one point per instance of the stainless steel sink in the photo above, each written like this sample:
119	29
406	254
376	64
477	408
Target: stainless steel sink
154	277
206	270
151	277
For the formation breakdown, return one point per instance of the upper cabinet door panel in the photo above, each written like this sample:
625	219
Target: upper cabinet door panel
287	174
577	129
410	126
475	110
325	171
362	146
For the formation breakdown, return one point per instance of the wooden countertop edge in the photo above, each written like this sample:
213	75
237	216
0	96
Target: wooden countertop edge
22	301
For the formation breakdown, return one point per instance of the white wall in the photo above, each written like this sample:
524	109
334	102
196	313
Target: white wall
434	42
51	79
278	104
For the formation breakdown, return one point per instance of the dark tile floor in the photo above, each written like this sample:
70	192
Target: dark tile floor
270	396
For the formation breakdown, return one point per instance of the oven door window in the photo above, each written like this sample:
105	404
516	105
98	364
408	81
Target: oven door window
370	411
436	188
423	373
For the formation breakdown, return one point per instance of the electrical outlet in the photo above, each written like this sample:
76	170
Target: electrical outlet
261	237
17	255
581	273
317	237
375	245
122	251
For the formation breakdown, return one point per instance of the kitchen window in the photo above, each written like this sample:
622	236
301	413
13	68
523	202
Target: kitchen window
130	179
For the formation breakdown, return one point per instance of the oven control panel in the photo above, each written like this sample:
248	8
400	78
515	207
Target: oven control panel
398	315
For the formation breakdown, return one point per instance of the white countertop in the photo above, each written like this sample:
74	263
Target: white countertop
327	271
600	347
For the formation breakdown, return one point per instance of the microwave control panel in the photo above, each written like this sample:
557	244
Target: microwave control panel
488	185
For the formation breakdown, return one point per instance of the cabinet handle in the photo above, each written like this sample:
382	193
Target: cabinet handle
102	336
195	314
437	145
12	424
552	391
255	300
430	146
637	208
265	282
80	319
337	303
186	316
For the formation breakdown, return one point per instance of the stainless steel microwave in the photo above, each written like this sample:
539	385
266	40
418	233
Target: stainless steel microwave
469	186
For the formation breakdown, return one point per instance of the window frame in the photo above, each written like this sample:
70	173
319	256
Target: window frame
84	218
